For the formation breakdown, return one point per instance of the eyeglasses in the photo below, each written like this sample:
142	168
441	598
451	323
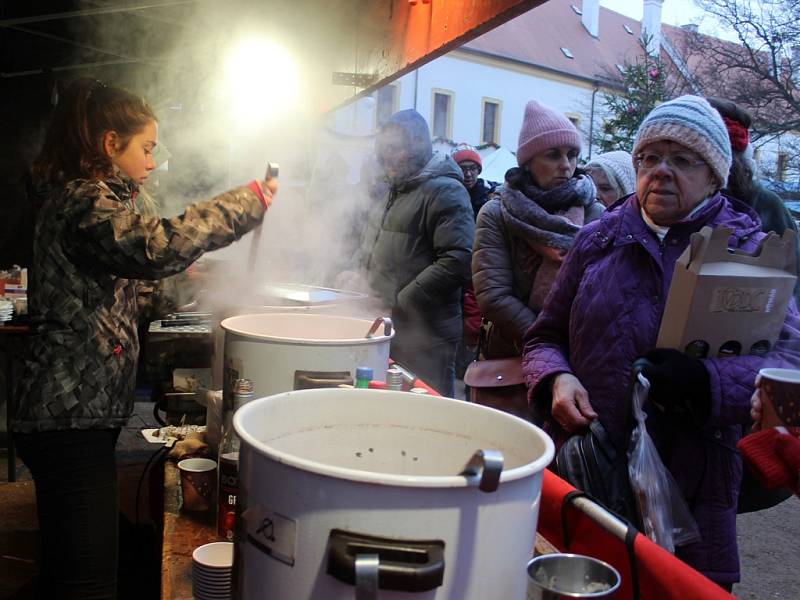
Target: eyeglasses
470	168
676	162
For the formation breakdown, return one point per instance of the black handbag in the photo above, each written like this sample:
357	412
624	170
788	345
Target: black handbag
593	464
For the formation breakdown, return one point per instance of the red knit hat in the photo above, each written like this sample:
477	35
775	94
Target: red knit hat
464	151
738	134
544	128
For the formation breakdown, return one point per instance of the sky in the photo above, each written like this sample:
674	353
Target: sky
674	12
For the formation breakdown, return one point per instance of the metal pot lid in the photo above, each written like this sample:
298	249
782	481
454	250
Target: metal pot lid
307	295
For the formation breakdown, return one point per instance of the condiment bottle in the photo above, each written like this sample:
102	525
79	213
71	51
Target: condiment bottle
363	377
228	461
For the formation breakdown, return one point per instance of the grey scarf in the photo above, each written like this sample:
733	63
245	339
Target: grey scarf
545	216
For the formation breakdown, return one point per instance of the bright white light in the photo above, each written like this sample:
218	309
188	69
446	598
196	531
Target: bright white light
262	81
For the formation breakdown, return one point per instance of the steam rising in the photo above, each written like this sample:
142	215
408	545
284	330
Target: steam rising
235	85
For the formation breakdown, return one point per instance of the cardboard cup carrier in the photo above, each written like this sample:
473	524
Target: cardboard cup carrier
724	302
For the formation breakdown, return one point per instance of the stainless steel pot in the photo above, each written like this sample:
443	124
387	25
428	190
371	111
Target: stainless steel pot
570	576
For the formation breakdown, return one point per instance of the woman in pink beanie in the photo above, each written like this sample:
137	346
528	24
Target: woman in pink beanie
524	232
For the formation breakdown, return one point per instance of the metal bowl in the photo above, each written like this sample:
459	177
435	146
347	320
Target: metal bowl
563	576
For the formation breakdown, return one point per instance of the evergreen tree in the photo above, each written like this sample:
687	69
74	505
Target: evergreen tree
644	83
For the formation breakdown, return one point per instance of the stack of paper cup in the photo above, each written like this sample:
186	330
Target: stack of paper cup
211	571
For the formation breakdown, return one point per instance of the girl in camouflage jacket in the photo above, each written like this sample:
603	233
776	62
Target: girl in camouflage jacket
90	247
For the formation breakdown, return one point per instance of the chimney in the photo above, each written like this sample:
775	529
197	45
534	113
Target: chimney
590	16
651	25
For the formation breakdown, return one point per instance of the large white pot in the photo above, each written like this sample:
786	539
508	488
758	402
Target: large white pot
315	463
270	349
344	308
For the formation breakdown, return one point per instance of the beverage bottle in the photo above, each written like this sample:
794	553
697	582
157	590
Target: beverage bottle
228	462
363	377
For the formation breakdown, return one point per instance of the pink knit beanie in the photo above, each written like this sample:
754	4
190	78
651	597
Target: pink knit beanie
544	128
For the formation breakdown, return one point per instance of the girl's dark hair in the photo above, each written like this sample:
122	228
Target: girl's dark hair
87	109
740	178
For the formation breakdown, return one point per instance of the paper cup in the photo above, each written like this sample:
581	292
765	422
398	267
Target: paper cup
198	481
780	397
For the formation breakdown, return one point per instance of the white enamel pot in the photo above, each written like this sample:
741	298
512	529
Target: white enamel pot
280	352
349	493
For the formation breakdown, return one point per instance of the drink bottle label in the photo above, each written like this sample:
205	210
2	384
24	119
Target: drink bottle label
228	490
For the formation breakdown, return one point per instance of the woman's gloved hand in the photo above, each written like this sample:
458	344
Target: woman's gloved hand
680	386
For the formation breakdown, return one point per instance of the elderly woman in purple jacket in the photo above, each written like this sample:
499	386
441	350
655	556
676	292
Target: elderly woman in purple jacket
605	310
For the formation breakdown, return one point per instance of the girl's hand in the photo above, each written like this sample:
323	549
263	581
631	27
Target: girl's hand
270	188
571	408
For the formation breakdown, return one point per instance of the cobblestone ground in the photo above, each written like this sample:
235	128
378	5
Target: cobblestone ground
769	547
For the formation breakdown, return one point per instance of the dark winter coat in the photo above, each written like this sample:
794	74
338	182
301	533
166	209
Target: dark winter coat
605	310
504	268
418	243
90	248
771	210
480	194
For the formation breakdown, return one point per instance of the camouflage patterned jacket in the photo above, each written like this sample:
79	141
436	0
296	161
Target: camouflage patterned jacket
90	246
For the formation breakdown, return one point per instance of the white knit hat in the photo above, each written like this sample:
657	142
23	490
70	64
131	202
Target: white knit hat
691	122
618	167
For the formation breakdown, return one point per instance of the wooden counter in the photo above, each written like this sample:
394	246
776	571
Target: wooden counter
185	531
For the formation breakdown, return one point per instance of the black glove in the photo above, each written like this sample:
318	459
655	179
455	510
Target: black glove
680	386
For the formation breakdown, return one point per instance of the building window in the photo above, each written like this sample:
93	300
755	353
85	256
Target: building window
574	119
567	52
442	114
628	29
490	121
575	9
783	165
386	103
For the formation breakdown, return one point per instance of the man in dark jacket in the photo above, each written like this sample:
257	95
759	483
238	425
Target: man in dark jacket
469	161
417	248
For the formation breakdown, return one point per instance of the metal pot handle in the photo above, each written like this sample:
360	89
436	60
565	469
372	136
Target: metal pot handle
370	563
489	465
367	576
387	327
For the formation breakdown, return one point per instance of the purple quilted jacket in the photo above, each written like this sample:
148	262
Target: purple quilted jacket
604	311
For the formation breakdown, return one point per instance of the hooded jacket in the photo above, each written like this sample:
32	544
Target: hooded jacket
418	241
604	312
90	248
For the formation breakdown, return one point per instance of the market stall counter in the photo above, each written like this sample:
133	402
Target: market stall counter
661	576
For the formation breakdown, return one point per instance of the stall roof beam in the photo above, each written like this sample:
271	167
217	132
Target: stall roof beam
88	12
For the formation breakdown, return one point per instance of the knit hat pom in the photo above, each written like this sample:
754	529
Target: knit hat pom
544	128
691	122
464	151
